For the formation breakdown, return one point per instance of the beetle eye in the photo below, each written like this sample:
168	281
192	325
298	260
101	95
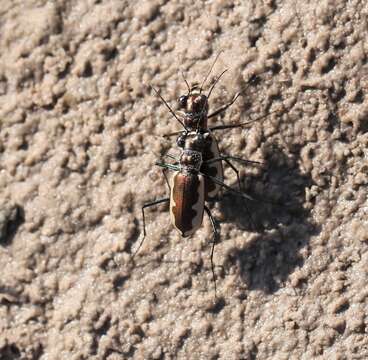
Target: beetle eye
180	141
183	101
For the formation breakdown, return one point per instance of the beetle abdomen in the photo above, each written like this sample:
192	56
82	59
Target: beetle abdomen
211	151
187	202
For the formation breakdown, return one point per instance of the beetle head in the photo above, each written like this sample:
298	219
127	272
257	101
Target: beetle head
195	108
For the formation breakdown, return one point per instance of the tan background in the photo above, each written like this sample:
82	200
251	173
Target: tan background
80	133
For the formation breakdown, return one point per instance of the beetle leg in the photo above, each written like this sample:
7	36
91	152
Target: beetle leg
226	159
250	217
215	235
171	157
167	180
172	167
172	134
236	171
168	106
224	107
235	158
224	127
156	202
232	126
237	192
219	182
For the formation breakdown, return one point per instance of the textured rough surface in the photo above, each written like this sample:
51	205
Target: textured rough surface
80	130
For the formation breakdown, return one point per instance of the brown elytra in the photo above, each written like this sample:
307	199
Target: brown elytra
187	202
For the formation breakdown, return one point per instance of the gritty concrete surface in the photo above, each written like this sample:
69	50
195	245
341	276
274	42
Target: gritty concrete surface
80	131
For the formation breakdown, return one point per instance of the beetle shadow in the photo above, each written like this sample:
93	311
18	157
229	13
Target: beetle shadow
281	223
12	218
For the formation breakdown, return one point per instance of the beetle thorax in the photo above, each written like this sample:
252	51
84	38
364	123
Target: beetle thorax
190	160
195	141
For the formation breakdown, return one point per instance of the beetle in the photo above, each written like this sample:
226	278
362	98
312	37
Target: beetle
187	195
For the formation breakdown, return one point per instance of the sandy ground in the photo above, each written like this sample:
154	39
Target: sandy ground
80	131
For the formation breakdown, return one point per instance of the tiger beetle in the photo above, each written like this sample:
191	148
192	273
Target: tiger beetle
187	196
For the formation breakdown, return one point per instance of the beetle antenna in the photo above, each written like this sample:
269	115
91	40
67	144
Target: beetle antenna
216	81
168	106
208	74
186	82
209	93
